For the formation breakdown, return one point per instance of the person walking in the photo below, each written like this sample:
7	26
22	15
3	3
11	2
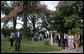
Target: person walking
63	41
51	38
70	41
47	33
18	40
40	37
58	38
55	38
66	41
77	42
79	36
12	38
73	41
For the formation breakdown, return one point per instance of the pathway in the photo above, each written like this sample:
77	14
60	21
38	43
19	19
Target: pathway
66	50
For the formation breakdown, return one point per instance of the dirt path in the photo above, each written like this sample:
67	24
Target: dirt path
66	51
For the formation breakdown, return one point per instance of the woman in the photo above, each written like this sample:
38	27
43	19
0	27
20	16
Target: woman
77	42
51	38
70	41
40	37
12	38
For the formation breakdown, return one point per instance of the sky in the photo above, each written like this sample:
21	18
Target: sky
50	5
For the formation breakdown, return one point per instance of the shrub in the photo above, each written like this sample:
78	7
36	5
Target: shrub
41	31
5	31
28	32
74	30
46	41
35	38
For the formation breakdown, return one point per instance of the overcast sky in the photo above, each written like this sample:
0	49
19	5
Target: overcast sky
50	5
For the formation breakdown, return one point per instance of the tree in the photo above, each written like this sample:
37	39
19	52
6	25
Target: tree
25	4
19	7
6	9
37	12
40	11
67	15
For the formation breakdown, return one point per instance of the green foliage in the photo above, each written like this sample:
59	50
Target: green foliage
81	32
5	31
28	32
41	31
68	16
5	8
75	31
35	38
72	21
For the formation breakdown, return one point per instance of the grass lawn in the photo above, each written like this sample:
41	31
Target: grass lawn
26	47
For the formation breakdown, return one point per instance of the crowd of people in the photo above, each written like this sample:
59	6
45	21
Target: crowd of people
71	41
68	41
64	41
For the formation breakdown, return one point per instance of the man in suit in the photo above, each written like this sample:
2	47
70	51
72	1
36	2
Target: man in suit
52	34
18	40
58	37
44	36
64	39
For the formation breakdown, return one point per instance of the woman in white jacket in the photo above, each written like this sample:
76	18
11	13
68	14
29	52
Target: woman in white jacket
72	41
12	38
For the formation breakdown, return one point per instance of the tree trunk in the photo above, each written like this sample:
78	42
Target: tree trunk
33	22
25	19
34	29
14	24
34	26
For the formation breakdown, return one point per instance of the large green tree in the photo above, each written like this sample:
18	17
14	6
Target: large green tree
68	15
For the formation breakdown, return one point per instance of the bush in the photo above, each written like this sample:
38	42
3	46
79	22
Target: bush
46	41
5	31
74	30
41	31
35	38
28	32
